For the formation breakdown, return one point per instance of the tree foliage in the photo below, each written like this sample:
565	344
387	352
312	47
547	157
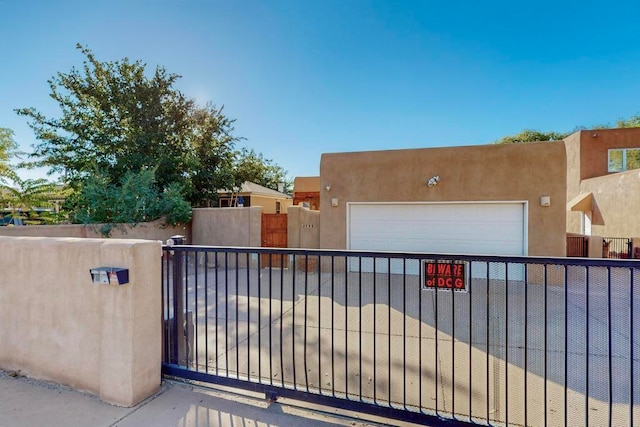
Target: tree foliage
530	135
252	166
121	120
8	148
22	197
631	122
135	198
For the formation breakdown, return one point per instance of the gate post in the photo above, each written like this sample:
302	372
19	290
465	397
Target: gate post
178	351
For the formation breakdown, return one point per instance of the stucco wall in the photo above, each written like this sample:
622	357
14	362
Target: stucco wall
303	228
59	326
587	171
227	226
306	184
268	204
518	172
615	204
595	145
156	230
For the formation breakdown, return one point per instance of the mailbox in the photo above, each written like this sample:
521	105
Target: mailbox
109	275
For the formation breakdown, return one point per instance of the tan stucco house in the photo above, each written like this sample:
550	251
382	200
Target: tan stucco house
603	182
490	199
252	194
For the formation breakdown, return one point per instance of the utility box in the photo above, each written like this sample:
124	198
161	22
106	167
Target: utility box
109	275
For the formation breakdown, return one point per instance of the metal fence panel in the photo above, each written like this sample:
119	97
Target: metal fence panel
528	341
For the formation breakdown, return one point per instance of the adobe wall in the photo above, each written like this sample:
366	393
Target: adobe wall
268	204
306	184
517	172
303	228
613	209
59	326
155	230
587	166
227	226
595	145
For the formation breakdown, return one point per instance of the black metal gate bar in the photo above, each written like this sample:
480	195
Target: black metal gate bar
617	247
533	324
350	405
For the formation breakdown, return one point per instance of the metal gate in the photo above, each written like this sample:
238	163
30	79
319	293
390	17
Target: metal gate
436	339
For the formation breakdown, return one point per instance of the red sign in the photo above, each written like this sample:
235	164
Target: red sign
444	275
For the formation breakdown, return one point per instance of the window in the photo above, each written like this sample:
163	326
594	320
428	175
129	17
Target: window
623	159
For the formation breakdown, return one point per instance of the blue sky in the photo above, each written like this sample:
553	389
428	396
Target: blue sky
306	77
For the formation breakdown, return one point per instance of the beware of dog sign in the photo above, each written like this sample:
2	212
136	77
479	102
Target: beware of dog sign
444	274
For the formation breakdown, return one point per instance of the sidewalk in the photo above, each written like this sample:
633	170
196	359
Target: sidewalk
27	403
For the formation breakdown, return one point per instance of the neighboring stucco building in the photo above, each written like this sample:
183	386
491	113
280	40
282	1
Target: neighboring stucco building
252	194
489	199
603	182
306	191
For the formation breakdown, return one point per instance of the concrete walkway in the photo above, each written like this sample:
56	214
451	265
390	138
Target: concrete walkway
26	403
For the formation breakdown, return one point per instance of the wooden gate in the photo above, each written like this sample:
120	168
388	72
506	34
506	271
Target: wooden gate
274	235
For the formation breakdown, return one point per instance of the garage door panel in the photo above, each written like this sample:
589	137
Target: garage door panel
462	228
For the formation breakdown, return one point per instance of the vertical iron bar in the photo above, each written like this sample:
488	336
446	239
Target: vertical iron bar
185	323
259	328
206	311
609	348
545	345
195	310
488	326
435	316
237	316
177	297
506	342
389	332
282	317
404	330
347	262
165	305
586	352
566	344
526	340
375	361
248	268
453	344
226	311
270	319
421	406
360	327
217	311
306	314
631	349
333	328
293	323
470	294
319	325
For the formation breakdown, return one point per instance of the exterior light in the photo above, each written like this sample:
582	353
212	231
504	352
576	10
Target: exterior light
433	181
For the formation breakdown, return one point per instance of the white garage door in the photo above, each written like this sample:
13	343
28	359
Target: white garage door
459	228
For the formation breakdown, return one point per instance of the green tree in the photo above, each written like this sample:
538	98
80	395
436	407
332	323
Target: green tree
135	198
252	166
631	122
22	197
8	149
116	119
211	157
530	135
